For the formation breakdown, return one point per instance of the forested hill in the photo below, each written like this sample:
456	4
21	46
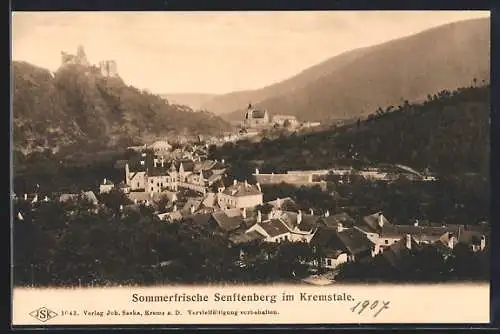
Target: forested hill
79	108
357	82
449	133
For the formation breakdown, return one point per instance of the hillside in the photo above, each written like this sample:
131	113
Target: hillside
448	133
356	83
77	108
194	101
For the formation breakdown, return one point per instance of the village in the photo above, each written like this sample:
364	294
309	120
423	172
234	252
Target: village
182	185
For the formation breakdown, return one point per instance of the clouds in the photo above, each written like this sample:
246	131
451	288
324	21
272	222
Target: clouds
210	51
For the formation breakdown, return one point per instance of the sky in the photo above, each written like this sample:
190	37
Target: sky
211	52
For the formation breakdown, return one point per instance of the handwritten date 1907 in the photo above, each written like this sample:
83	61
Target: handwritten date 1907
375	306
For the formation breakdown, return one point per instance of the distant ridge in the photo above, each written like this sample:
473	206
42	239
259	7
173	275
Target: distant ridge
357	82
193	100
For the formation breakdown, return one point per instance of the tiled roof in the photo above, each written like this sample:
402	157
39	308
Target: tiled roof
192	202
240	189
209	200
274	227
334	220
354	240
309	222
398	251
373	221
225	222
351	240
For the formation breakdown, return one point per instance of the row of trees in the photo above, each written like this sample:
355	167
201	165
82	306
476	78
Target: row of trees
70	244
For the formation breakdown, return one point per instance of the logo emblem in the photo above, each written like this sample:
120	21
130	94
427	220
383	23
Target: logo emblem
43	314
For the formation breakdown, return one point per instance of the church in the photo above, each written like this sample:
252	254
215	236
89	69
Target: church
255	118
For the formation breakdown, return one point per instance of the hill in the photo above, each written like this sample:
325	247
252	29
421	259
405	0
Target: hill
448	133
194	101
77	108
358	82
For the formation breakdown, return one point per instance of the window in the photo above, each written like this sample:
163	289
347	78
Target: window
158	184
152	181
386	241
328	262
151	188
138	185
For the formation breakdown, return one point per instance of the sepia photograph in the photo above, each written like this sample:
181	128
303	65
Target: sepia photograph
313	149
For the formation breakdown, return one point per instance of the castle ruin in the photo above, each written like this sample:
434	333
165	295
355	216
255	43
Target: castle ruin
107	68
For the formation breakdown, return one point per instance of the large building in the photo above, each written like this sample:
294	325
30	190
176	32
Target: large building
255	118
153	174
240	195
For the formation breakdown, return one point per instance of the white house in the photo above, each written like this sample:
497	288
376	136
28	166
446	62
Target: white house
240	195
106	186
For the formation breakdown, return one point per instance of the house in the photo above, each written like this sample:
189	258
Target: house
474	239
333	247
106	186
225	222
282	120
339	220
273	230
192	205
283	203
124	188
173	215
240	195
398	253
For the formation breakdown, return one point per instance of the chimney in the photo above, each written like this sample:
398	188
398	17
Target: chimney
235	182
162	162
415	223
299	217
223	161
244	213
483	242
340	227
104	182
258	186
121	207
246	184
408	241
311	212
256	171
380	219
327	213
175	208
25	197
155	162
259	216
278	202
192	209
